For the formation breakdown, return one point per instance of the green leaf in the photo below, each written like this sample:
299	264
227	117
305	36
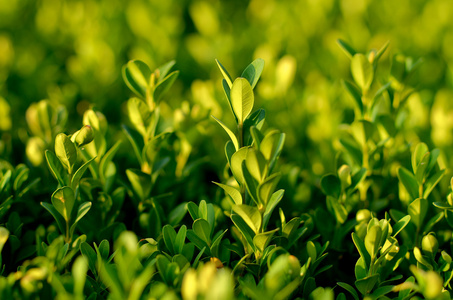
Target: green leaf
136	142
63	200
79	173
290	227
366	285
107	158
90	256
139	115
251	185
382	290
229	151
6	205
136	75
357	178
230	133
193	210
331	185
443	205
198	242
250	215
361	248
56	215
216	244
79	273
81	212
362	71
271	146
344	174
380	91
21	174
66	151
177	214
202	229
104	249
373	240
236	164
206	211
242	99
163	70
55	167
109	275
409	182
267	188
419	152
433	159
262	240
166	269
164	85
350	289
83	136
421	168
180	239
353	149
422	259
256	121
381	51
141	183
363	131
257	136
225	74
271	204
433	221
227	91
400	225
4	235
355	94
256	164
253	71
347	49
169	236
233	192
246	231
311	250
417	210
5	180
432	182
341	214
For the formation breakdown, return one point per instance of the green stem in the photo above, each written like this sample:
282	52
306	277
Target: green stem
241	135
241	144
370	271
68	240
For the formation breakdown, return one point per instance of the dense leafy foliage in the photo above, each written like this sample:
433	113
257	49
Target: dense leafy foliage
131	181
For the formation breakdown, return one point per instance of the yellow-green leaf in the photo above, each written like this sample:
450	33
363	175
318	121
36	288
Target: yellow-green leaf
362	71
65	151
242	98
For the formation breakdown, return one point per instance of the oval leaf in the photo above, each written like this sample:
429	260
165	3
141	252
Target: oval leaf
242	99
63	200
66	151
362	71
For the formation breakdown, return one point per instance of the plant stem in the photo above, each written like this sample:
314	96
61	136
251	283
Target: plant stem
67	233
241	135
241	144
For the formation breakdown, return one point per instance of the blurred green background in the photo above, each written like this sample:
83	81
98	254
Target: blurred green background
71	52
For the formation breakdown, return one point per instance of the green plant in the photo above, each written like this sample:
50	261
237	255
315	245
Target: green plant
64	206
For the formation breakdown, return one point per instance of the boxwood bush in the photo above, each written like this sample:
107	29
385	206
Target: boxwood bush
154	178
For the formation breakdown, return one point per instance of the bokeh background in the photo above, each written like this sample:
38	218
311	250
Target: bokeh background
72	52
